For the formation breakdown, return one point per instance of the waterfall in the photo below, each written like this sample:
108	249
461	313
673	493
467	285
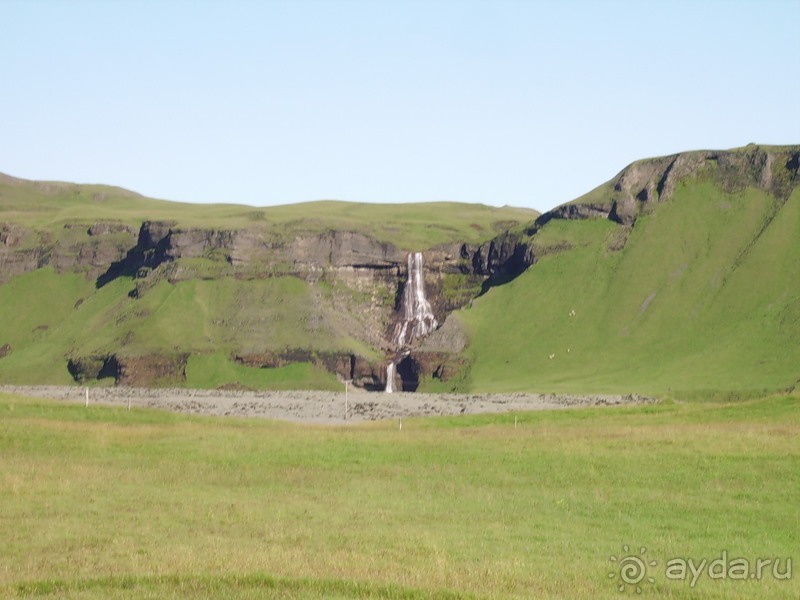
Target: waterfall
390	369
417	318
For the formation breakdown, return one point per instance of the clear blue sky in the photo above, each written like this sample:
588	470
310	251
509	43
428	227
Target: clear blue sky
529	103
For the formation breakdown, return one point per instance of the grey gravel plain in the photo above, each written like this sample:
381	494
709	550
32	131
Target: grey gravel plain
319	407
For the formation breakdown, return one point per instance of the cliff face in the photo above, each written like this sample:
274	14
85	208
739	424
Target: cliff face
86	248
349	256
366	277
354	279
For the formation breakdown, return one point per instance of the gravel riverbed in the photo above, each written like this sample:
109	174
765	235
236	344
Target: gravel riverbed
319	407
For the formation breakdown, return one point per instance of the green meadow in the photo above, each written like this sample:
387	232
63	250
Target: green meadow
107	503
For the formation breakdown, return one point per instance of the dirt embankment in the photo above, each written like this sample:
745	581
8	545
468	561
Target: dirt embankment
320	407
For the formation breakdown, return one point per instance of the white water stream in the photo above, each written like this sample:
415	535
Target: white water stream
390	370
417	318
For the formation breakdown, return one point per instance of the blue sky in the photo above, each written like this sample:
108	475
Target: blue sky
528	103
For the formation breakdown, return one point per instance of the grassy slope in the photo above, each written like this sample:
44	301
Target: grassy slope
105	503
704	297
44	321
46	205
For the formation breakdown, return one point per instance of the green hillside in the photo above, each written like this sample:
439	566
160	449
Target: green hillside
679	277
51	205
704	298
64	315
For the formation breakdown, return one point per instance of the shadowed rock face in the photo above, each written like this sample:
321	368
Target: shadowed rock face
502	258
14	258
363	373
89	249
573	212
152	370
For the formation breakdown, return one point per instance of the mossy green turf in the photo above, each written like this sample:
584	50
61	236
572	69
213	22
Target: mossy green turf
208	370
106	503
47	317
704	299
412	226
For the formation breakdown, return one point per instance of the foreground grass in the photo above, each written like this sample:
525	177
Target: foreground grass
105	503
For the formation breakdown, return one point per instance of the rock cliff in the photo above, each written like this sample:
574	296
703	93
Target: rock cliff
361	278
78	247
643	184
367	276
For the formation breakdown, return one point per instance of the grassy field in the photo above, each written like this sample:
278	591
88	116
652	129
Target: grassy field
105	503
412	226
704	300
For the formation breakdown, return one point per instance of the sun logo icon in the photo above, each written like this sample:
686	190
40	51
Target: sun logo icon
631	569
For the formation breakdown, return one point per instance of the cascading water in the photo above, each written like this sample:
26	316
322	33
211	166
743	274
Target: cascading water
417	318
390	369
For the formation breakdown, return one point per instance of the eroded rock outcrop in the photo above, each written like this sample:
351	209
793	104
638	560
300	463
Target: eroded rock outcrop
362	372
574	212
151	370
78	247
503	257
645	183
16	256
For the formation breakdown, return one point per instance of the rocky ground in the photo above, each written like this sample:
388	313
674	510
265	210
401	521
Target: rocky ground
318	407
